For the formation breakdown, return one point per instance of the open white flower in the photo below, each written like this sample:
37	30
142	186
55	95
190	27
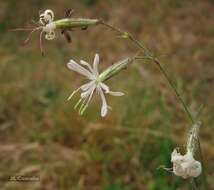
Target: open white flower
185	166
96	83
46	20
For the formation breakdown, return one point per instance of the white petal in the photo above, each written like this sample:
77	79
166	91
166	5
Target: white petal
176	156
104	87
185	165
196	169
96	63
87	65
79	69
178	170
49	15
42	19
50	35
91	94
104	108
107	91
88	92
86	86
116	93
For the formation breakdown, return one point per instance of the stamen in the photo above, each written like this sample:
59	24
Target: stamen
83	109
35	22
30	34
78	103
83	105
21	29
165	168
72	94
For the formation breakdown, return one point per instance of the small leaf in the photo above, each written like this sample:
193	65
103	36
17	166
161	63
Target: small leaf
125	35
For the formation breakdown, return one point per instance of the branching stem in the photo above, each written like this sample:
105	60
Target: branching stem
150	56
157	62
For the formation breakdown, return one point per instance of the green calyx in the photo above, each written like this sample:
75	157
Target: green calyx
193	137
69	23
114	69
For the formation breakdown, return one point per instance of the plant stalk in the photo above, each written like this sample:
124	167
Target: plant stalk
150	56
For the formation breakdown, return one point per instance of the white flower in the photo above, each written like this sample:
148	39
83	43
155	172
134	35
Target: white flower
48	26
185	166
46	17
96	83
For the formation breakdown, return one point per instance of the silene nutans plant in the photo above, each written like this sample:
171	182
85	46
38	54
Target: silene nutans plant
184	166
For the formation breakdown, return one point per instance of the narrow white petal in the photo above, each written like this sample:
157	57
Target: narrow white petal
88	92
91	94
116	93
96	63
79	69
104	87
104	108
86	86
196	169
82	62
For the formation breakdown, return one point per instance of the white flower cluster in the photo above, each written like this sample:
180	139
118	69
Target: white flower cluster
185	166
95	83
46	19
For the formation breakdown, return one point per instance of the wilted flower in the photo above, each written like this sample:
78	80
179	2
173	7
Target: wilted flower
185	166
48	26
46	17
96	82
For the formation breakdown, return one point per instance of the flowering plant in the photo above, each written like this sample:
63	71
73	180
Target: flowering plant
183	165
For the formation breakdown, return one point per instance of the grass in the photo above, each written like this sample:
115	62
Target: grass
42	135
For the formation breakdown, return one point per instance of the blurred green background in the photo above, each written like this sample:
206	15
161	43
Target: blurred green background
42	135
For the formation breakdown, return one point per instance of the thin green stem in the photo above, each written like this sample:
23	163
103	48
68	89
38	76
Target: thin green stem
175	90
163	71
150	56
203	165
194	184
128	35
